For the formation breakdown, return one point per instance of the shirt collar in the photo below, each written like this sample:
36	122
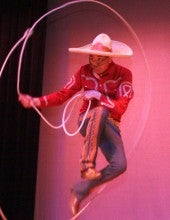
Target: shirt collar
108	73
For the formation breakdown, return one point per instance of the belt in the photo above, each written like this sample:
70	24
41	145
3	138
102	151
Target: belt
113	121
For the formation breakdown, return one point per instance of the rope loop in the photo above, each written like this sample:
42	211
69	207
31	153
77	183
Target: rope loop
29	32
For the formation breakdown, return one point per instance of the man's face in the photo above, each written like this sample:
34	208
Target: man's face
99	63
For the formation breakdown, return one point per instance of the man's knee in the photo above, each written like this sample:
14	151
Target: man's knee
123	167
119	168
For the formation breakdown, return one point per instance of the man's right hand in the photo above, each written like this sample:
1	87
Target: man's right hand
25	100
28	101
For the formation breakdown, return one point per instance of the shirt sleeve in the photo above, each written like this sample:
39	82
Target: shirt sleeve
117	106
59	97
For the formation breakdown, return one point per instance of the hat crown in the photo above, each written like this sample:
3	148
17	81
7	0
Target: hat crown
104	40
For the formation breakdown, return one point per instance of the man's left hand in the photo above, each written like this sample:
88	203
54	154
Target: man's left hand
92	94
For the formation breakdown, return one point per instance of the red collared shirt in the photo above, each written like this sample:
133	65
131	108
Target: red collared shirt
115	85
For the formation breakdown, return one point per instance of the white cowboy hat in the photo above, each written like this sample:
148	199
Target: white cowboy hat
102	45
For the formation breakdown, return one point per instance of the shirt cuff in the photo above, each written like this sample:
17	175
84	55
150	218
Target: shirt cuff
43	101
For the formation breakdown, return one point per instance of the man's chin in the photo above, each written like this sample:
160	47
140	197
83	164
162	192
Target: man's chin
97	70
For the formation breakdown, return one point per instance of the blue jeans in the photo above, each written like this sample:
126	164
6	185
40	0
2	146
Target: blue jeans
110	142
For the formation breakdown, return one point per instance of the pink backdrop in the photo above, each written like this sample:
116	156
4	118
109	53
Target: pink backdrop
143	192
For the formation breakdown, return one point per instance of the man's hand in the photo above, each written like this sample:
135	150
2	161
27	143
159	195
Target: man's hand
27	101
92	94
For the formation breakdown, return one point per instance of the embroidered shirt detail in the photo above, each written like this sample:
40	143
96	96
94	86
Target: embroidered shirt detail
70	83
125	90
93	80
45	100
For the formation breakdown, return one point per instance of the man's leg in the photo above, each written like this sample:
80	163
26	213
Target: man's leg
112	147
92	131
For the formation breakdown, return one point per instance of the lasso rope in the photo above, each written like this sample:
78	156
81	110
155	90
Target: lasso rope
24	40
29	32
64	118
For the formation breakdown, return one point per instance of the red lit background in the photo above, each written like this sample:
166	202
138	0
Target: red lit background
143	191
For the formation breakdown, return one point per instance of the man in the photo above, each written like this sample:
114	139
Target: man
109	87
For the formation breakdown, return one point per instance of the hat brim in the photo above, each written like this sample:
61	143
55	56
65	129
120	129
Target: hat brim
119	49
